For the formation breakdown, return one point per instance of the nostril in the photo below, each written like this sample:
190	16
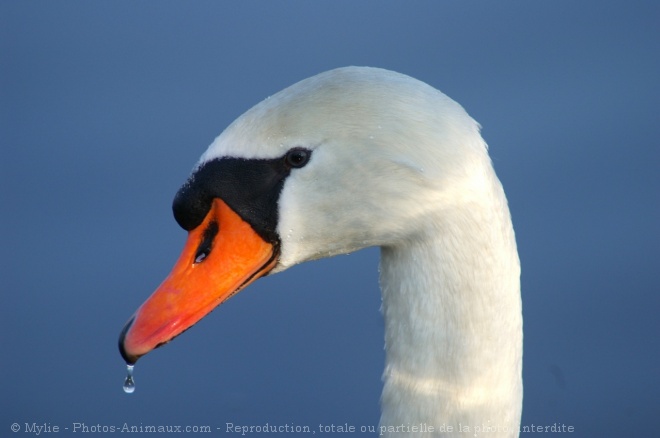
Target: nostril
205	246
200	256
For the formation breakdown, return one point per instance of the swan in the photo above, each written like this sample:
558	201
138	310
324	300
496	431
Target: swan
352	158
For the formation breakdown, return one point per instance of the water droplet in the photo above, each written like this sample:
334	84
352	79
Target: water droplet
129	383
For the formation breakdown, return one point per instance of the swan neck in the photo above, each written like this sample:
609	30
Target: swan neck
453	326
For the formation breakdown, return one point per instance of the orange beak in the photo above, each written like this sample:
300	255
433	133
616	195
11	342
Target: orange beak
221	256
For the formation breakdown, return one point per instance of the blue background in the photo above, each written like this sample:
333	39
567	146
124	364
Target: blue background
106	106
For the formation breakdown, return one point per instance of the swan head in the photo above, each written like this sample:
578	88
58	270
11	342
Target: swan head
350	158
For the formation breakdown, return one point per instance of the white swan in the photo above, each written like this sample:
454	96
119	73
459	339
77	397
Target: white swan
351	158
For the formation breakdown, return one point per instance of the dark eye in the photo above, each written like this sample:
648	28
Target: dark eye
297	157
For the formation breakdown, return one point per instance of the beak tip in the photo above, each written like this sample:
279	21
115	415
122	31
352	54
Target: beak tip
129	358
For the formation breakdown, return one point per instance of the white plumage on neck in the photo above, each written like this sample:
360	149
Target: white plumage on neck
397	164
453	324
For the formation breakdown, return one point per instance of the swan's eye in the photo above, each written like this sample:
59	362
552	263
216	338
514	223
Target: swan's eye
297	157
